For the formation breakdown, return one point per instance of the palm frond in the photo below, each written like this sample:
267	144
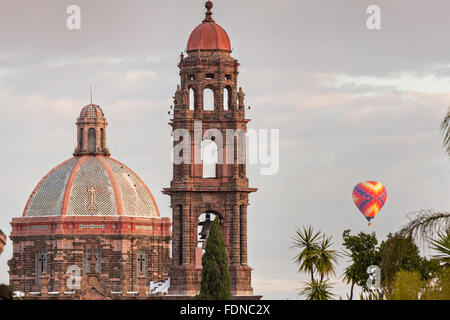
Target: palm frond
307	241
426	224
442	246
326	258
317	290
445	128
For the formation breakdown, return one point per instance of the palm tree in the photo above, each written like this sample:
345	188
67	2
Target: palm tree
325	258
307	241
349	278
315	257
425	224
442	246
317	290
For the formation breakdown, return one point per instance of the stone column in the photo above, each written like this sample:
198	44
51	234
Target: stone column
235	254
126	251
235	160
44	284
62	280
176	234
186	235
124	285
243	216
142	288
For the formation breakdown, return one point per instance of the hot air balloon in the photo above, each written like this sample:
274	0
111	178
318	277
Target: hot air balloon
369	197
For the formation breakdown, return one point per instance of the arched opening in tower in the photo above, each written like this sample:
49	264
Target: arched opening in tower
227	98
204	225
191	99
208	99
81	139
91	140
102	138
209	159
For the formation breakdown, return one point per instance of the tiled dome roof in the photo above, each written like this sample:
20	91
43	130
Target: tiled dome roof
92	111
209	35
91	186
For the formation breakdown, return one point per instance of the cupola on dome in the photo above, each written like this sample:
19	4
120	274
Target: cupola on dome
209	35
91	183
91	111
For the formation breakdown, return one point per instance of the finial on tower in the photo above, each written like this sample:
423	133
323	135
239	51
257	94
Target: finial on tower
208	6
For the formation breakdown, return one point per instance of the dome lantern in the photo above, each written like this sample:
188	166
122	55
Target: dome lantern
208	14
91	132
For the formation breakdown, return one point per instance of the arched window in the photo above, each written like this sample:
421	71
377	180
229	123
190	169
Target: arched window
205	221
41	265
142	263
209	159
227	98
91	141
102	138
208	99
81	138
191	99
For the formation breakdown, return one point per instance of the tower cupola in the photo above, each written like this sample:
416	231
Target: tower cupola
91	129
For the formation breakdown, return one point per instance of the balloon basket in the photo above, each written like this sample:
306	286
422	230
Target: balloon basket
370	224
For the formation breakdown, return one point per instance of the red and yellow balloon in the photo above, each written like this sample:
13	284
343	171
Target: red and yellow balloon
369	197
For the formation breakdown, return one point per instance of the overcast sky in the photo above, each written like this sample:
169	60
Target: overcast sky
351	105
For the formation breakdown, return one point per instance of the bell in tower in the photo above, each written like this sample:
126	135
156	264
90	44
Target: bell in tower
209	105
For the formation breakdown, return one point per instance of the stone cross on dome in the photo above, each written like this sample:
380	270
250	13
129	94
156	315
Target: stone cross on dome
92	191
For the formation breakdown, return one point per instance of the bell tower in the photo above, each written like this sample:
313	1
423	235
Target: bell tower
223	190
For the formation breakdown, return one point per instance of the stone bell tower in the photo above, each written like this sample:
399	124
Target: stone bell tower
209	66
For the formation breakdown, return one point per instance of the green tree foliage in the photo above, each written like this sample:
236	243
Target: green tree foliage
363	251
215	283
6	292
407	286
401	253
439	288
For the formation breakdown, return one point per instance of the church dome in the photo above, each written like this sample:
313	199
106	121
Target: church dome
91	185
91	111
209	35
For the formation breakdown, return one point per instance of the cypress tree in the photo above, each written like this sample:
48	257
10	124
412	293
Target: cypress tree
215	284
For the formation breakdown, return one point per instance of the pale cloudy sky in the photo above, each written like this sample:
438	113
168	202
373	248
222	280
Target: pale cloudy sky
351	105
